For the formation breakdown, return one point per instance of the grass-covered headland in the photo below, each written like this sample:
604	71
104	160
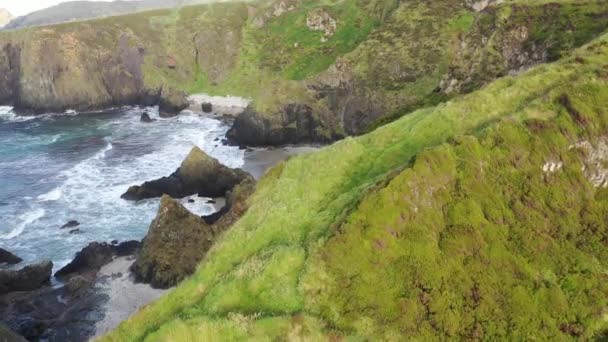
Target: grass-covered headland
480	218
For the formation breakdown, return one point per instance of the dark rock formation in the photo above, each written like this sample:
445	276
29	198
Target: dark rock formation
198	174
71	224
178	240
29	278
90	259
66	313
207	107
145	117
7	257
69	312
296	124
172	102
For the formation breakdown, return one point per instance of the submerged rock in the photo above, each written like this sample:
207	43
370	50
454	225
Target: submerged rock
29	278
172	102
145	117
71	224
178	240
198	174
7	257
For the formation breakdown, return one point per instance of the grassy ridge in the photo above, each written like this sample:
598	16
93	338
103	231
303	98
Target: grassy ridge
286	269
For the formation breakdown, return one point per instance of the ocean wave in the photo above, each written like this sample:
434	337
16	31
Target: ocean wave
6	113
26	219
53	195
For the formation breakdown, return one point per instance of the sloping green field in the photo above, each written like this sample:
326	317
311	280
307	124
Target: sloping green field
442	224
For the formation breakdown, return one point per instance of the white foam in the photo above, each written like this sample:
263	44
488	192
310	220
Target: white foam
26	219
6	113
53	195
223	101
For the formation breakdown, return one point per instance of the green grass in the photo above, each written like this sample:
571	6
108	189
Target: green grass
304	261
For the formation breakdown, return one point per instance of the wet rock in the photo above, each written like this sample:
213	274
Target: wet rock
90	259
191	201
7	257
75	231
207	107
29	278
198	174
71	224
178	240
172	102
145	117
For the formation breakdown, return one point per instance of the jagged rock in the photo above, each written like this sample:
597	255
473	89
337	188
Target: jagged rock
145	117
29	278
207	107
7	257
71	224
198	174
178	240
91	258
172	102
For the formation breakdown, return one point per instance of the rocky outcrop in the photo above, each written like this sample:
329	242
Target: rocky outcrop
178	240
28	278
198	174
7	257
61	313
172	102
294	124
319	20
90	259
509	39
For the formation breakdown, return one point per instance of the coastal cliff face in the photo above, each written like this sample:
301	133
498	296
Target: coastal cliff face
315	72
482	218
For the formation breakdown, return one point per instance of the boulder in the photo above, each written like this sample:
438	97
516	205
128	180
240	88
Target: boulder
178	240
145	117
88	260
207	107
7	257
29	278
94	256
71	224
172	102
198	174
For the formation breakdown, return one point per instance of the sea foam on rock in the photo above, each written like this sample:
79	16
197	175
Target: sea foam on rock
199	174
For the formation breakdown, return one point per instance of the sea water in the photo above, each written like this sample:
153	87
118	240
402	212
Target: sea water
56	168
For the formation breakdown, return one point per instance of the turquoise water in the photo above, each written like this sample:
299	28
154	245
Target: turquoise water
57	168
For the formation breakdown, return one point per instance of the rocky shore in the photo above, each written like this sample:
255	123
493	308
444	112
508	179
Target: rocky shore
107	282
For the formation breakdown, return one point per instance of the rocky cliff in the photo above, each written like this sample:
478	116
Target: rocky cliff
316	71
481	218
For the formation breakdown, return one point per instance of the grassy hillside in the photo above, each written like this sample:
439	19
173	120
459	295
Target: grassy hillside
474	219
